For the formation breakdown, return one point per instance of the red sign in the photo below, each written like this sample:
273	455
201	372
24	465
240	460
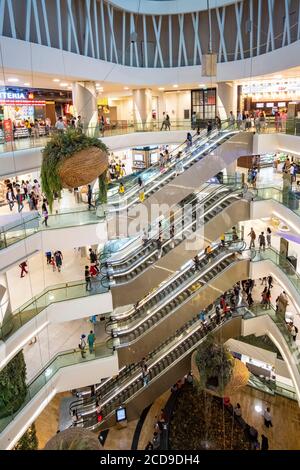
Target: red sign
8	130
22	102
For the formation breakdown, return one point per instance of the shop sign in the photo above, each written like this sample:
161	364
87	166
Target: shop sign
290	86
12	95
18	97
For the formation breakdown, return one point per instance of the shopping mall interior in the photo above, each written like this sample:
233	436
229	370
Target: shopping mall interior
150	225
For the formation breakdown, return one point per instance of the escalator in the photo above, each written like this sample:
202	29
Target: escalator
154	178
204	161
168	362
175	302
142	266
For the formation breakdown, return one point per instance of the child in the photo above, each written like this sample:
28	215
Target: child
52	263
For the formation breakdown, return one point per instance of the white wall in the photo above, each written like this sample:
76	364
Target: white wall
270	207
270	143
57	312
64	238
20	161
176	103
264	325
67	378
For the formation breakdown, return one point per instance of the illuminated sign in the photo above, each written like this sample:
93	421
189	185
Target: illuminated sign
12	95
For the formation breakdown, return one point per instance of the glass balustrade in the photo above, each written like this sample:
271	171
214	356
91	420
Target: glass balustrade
56	293
286	197
61	360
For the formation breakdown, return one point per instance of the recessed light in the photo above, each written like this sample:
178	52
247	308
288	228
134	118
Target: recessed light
26	84
175	86
56	79
126	87
63	84
13	80
278	76
161	88
201	84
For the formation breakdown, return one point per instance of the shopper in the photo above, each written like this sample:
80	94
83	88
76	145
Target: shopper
93	256
156	441
91	341
10	197
23	267
74	417
189	139
89	196
237	410
59	125
121	189
197	263
252	236
262	241
268	418
294	331
48	256
58	259
264	443
270	281
159	247
145	375
269	232
87	276
52	263
231	119
19	198
45	214
168	122
82	346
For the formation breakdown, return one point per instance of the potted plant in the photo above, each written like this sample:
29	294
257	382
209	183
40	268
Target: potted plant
71	159
74	439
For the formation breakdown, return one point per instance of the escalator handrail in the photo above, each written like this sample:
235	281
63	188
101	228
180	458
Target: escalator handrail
141	260
220	189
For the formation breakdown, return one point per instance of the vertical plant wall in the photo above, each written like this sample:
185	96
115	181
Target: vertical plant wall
12	385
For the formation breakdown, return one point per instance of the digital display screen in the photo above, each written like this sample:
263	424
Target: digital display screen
259	105
121	414
269	105
139	157
282	104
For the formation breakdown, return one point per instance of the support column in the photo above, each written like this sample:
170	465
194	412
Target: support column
142	108
226	100
85	104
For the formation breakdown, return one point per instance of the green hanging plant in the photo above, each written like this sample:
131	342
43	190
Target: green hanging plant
29	440
66	165
102	194
13	387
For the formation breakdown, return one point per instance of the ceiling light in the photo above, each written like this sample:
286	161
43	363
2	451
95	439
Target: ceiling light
56	79
63	84
258	408
13	80
98	84
278	76
161	88
26	84
175	86
201	84
126	87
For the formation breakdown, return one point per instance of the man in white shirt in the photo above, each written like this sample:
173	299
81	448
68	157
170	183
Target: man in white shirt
59	125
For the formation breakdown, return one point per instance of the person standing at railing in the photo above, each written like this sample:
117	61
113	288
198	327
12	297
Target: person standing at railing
262	241
269	233
82	346
218	123
194	120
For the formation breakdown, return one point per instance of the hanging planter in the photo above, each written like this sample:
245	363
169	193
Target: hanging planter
71	159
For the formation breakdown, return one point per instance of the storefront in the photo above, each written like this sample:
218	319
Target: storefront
203	105
20	108
269	97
